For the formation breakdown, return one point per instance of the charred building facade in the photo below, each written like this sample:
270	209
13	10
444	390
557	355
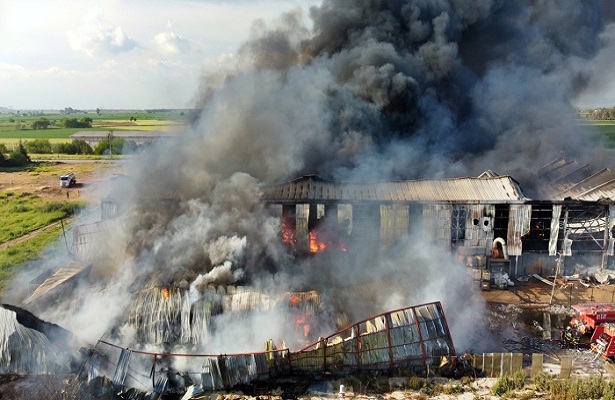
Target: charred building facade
487	221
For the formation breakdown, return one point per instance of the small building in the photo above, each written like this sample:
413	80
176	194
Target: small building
139	137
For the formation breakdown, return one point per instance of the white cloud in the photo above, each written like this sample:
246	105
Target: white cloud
96	37
172	43
42	66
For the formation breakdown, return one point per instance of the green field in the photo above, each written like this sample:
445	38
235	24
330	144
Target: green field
15	127
14	257
22	213
605	129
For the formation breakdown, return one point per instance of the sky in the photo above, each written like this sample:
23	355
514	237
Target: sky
120	54
138	54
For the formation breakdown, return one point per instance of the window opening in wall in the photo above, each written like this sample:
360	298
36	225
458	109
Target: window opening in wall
458	225
540	228
586	227
500	222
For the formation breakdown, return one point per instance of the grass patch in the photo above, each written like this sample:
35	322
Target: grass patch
568	389
26	213
49	167
13	257
508	384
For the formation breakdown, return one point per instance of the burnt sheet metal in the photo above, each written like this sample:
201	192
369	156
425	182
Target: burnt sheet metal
413	337
87	239
565	179
557	210
598	186
501	189
69	273
437	223
518	226
226	372
24	350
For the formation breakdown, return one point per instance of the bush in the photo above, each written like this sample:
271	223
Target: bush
85	122
117	146
19	157
39	146
42	123
591	388
66	208
415	383
508	383
77	146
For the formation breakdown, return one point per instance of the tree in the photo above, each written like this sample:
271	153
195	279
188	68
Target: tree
19	156
82	147
117	146
85	122
77	146
42	123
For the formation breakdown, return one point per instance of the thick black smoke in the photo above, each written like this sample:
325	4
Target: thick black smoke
381	90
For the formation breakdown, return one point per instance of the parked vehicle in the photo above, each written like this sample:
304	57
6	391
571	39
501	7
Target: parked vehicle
603	341
594	320
590	315
68	180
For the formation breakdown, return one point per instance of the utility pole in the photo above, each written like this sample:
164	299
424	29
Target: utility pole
110	138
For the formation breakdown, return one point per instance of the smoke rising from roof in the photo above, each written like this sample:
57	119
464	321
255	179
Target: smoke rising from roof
374	91
397	90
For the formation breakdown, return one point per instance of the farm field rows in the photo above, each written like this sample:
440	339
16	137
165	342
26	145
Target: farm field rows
14	128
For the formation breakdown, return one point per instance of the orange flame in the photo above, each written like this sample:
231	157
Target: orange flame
165	293
315	245
288	234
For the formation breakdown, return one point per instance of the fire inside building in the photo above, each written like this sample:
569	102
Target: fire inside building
488	221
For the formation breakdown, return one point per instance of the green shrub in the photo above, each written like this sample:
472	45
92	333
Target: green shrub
453	388
543	381
53	206
508	383
39	146
415	383
20	208
77	146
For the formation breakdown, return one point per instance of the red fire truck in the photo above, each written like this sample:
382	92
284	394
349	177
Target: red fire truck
603	340
590	315
596	320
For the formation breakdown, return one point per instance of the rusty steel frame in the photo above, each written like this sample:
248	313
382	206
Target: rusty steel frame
284	362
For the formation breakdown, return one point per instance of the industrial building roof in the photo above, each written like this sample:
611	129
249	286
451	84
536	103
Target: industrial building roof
564	179
486	188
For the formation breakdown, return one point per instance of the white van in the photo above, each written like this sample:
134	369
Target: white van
68	180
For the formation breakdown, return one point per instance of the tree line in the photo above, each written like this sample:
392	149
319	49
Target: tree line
19	156
44	123
602	114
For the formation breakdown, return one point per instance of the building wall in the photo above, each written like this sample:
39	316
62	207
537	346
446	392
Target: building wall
537	234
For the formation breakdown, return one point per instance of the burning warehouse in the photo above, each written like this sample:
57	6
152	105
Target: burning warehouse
487	221
202	250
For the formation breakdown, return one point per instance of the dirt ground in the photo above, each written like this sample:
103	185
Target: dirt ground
44	180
